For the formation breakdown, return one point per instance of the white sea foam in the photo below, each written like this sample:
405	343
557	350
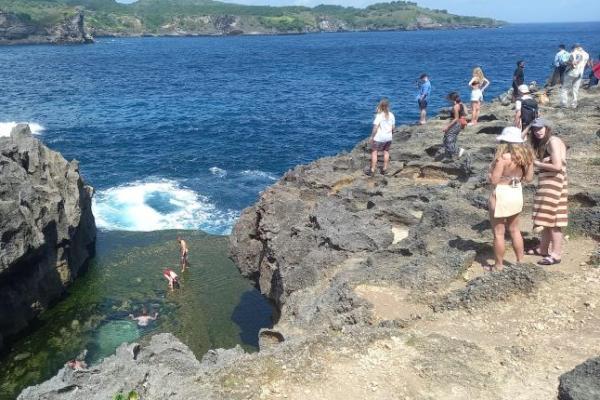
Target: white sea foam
254	173
6	127
158	205
218	171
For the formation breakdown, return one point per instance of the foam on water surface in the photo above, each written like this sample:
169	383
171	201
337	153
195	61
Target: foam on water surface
7	127
157	205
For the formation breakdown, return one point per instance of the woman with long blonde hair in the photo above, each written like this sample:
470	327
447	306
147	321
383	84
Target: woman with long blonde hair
512	165
478	84
381	135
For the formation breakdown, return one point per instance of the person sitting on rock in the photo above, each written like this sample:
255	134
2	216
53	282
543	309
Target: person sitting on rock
512	165
381	136
76	364
526	108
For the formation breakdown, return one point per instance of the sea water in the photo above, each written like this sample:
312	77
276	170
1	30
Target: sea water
183	133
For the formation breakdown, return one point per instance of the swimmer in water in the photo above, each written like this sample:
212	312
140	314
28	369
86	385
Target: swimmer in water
144	319
183	253
172	277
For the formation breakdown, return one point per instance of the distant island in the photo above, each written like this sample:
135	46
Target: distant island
78	21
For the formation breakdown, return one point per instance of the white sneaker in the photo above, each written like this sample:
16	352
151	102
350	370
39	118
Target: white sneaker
461	151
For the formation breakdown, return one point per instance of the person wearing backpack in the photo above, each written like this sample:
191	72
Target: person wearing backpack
526	108
573	76
561	60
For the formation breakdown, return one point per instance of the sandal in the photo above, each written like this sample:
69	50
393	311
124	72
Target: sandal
535	252
549	260
369	172
384	171
492	268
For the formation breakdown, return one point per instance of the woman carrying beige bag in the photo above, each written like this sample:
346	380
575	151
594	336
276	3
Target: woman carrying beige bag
512	165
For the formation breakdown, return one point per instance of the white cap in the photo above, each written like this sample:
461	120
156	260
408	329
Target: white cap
510	134
523	88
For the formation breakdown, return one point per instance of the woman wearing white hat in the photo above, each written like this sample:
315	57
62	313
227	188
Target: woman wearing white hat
512	165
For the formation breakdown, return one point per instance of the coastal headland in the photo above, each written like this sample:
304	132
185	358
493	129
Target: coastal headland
380	287
28	22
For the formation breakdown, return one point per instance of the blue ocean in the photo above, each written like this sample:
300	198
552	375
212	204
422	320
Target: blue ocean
184	133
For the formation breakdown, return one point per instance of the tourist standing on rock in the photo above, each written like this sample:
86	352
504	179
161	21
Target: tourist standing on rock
561	60
518	78
573	77
512	165
424	86
183	253
457	123
550	201
526	108
594	72
381	136
478	84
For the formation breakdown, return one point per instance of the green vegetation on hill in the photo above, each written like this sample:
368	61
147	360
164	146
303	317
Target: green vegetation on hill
107	17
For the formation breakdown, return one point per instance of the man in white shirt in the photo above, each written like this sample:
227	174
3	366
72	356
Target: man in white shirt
573	76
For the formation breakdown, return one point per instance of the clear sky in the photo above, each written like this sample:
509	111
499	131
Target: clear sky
507	10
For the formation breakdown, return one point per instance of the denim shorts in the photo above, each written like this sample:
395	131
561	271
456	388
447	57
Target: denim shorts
381	146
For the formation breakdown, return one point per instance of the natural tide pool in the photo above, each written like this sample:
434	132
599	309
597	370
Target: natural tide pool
214	307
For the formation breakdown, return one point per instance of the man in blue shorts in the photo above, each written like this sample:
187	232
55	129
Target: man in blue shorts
423	97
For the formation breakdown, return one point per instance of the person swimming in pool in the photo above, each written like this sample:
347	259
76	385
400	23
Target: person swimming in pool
172	277
144	319
183	253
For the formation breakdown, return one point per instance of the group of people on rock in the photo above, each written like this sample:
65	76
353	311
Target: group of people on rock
526	146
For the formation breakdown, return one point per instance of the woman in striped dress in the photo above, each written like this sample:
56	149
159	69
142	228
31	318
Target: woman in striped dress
550	202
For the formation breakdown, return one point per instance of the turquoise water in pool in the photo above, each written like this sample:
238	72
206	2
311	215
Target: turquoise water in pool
214	307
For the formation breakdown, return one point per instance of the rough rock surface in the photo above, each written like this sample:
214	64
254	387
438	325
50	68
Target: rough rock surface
582	383
47	229
14	29
379	281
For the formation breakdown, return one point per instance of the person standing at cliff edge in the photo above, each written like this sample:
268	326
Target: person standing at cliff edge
573	76
561	60
424	86
518	78
381	136
183	252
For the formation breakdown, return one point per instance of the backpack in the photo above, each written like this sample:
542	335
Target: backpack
564	59
529	111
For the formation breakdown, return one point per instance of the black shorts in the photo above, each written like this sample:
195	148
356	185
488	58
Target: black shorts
422	104
381	146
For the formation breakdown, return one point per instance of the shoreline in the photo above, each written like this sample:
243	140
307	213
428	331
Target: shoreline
26	42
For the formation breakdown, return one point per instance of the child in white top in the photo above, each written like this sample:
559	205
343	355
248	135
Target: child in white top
381	135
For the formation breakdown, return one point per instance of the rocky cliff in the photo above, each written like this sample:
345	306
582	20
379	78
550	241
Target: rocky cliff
380	285
19	29
46	227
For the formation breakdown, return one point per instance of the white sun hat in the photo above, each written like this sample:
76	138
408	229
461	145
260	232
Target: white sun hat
523	88
510	134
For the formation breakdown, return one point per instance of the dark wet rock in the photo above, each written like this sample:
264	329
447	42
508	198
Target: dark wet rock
46	225
500	286
581	383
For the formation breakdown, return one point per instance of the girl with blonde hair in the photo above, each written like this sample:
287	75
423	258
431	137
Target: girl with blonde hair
478	84
512	165
381	135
